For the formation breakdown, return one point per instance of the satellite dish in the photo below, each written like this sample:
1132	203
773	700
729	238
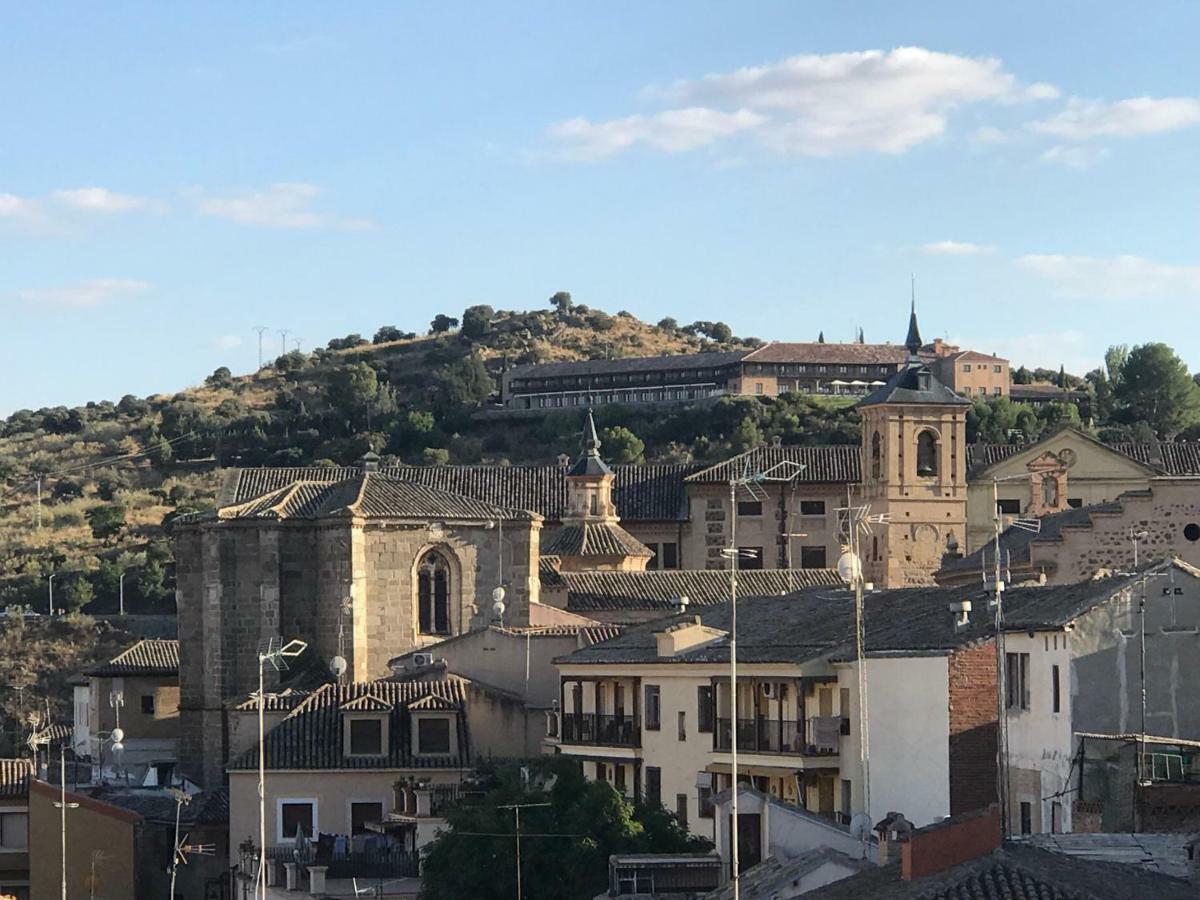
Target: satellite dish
860	827
498	609
118	735
849	567
338	666
498	595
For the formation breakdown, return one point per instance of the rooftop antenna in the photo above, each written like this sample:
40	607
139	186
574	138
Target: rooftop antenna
182	848
751	482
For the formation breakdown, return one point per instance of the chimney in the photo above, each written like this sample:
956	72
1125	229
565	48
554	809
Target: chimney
893	830
777	441
950	843
962	613
369	462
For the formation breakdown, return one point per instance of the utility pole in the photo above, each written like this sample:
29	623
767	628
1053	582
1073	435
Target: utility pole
260	329
283	333
50	582
516	808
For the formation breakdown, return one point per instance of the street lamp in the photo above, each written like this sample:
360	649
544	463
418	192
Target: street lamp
277	654
50	582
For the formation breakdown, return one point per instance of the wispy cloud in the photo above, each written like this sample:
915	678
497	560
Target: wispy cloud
1124	277
87	294
286	204
228	342
1086	119
810	105
1045	349
20	210
1076	157
101	200
955	248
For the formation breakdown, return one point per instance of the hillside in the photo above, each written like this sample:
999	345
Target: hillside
114	472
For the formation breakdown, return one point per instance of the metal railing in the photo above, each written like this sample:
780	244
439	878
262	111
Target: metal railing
378	862
771	736
597	728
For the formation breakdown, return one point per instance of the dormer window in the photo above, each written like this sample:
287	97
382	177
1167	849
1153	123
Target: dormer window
433	735
366	737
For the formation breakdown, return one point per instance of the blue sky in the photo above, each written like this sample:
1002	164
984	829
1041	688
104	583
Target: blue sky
171	177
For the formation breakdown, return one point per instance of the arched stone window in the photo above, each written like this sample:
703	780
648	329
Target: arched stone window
433	594
876	456
927	453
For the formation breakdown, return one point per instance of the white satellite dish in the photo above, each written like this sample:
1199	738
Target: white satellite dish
338	666
849	567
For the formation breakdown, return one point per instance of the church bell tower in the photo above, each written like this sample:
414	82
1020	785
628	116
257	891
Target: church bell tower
914	472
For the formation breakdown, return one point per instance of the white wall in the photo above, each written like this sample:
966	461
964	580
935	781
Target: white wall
1040	741
908	728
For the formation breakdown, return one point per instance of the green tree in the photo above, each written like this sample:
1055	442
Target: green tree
1022	376
106	521
1115	358
442	323
720	332
595	821
386	334
465	382
352	388
746	435
821	337
79	593
668	324
435	456
561	301
1155	388
622	446
477	321
220	378
152	582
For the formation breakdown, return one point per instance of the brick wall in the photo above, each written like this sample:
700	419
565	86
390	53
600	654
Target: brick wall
972	689
947	844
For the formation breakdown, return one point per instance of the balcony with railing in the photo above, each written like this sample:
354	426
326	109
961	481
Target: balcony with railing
601	730
814	737
383	861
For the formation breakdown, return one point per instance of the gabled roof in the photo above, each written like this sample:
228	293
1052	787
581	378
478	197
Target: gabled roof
641	493
366	703
984	457
368	495
595	539
823	463
146	657
661	589
819	623
828	354
279	701
1015	871
310	736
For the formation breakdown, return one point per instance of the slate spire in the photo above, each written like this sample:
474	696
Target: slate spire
913	342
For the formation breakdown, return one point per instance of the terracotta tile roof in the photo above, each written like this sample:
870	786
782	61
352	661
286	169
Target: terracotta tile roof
595	539
278	702
1013	872
661	589
366	494
823	463
706	360
147	657
647	492
825	354
975	355
14	777
310	736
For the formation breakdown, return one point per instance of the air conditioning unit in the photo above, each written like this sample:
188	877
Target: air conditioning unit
421	660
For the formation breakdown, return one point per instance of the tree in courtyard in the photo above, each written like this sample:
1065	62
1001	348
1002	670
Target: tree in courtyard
1155	388
585	822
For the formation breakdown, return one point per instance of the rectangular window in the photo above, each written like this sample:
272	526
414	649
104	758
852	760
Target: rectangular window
656	560
147	704
670	556
749	508
1016	677
297	815
681	810
1055	690
1074	502
14	831
361	814
966	367
653	708
1026	817
1008	507
997	391
704	803
366	737
682	725
750	558
601	772
704	709
812	557
1055	817
433	735
812	507
996	369
653	784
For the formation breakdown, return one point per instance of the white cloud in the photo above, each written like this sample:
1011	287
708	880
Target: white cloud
1078	158
671	131
228	342
1124	277
84	294
1085	119
955	248
990	134
21	210
101	200
1044	349
281	205
813	105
